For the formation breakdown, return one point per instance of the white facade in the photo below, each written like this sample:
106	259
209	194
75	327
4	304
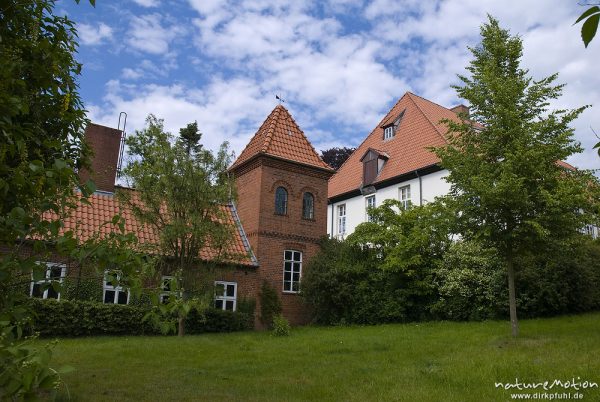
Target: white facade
344	216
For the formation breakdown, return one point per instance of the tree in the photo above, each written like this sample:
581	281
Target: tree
335	156
41	132
180	192
590	26
507	185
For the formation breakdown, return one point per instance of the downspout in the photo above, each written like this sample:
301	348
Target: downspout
420	188
331	236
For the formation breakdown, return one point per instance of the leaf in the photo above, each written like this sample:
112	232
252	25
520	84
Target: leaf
587	13
66	369
589	28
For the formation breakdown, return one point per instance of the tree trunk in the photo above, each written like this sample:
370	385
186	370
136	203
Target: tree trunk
181	329
512	297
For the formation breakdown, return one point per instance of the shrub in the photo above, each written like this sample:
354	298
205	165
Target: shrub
84	318
471	284
281	326
270	305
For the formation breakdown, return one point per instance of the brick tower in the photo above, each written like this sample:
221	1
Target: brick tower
282	204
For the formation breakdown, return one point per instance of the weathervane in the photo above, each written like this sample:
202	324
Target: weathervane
279	98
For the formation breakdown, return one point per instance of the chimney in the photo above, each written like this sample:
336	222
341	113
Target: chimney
461	109
105	143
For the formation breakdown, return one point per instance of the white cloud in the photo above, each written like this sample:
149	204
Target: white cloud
148	34
94	35
147	3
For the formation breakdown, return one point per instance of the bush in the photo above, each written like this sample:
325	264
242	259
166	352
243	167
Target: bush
270	305
281	326
471	284
84	318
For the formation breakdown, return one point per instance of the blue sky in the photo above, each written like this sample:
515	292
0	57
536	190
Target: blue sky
339	64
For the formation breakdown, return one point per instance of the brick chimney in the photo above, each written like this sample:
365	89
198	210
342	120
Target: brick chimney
105	143
461	109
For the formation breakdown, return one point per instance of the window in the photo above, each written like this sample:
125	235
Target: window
369	203
308	206
388	132
225	295
341	219
281	197
292	269
43	288
166	287
404	196
114	293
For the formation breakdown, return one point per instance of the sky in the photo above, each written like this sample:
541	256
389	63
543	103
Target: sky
339	65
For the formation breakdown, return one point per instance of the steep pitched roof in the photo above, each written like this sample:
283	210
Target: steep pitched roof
88	219
418	129
280	136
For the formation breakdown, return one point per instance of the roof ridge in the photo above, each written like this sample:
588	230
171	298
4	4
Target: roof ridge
271	129
305	137
427	117
372	132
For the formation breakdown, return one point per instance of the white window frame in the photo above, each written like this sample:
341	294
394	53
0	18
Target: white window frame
295	267
341	220
370	202
117	289
388	132
404	196
224	296
48	278
164	292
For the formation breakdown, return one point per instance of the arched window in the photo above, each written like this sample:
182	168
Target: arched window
308	206
281	197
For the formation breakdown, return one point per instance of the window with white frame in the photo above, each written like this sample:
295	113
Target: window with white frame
225	295
341	209
53	274
113	292
369	203
292	270
404	196
388	132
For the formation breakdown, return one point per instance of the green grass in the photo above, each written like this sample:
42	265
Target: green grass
413	362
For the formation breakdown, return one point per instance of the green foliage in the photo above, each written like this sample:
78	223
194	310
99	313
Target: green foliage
281	326
590	26
344	284
82	318
471	284
270	304
85	290
181	189
507	188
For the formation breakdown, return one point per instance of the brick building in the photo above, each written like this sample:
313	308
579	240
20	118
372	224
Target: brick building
279	216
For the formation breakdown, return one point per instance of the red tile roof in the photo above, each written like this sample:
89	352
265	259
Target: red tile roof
418	129
88	220
280	136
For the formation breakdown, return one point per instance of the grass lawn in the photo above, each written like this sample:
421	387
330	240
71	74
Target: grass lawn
438	361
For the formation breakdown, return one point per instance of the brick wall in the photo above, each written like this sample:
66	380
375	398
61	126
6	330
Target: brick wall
271	234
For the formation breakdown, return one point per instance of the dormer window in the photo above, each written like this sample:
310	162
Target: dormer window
388	132
373	162
389	129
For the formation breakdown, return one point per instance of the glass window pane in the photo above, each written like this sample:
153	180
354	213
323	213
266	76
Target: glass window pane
55	272
287	276
288	255
219	289
219	304
287	266
287	285
52	294
230	290
109	296
122	297
229	305
297	256
295	286
296	277
37	290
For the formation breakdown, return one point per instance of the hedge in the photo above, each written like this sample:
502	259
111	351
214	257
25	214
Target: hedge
71	318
